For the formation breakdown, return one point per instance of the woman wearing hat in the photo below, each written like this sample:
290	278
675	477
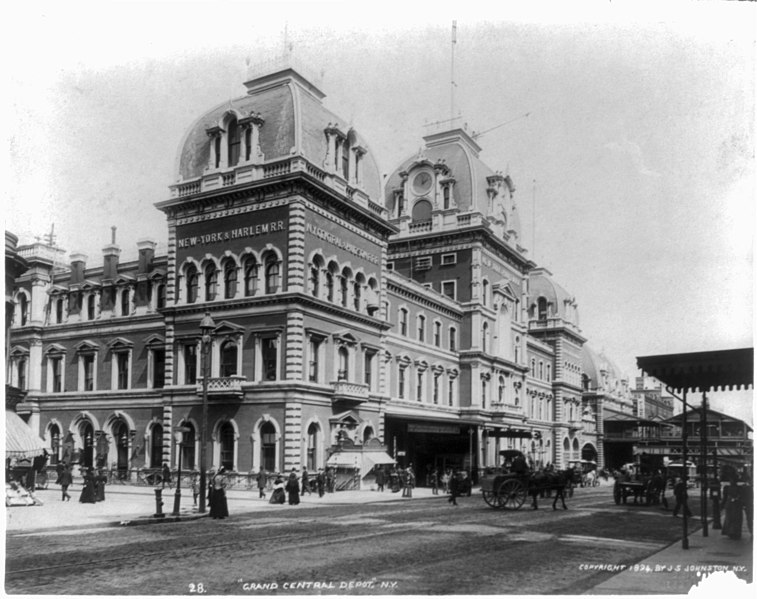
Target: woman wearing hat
219	508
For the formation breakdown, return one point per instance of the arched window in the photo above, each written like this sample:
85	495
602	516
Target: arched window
344	286
230	280
91	307
228	358
125	303
188	446
357	291
234	141
247	142
485	336
422	211
59	310
501	391
226	435
403	322
422	328
485	292
211	282
271	275
23	310
315	275
330	286
268	447
533	367
446	196
542	309
121	439
483	394
312	451
250	277
344	363
156	446
191	283
516	351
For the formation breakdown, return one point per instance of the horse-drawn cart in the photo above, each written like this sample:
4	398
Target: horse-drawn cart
509	486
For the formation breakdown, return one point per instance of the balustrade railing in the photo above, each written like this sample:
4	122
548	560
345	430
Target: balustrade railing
222	384
350	389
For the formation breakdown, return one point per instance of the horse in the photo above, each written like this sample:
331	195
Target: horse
557	481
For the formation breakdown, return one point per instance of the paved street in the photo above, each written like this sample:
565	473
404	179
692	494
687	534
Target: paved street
417	546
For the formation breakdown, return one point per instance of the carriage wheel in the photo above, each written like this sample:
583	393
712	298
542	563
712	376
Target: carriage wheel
490	497
511	494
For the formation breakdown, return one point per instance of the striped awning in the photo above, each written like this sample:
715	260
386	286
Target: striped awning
20	440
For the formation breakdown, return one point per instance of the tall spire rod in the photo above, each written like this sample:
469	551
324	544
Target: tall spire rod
533	224
452	73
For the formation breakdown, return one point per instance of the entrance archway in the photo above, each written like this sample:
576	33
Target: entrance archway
589	452
87	434
121	437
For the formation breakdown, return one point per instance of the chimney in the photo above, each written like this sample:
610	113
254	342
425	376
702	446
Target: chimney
111	253
78	264
146	249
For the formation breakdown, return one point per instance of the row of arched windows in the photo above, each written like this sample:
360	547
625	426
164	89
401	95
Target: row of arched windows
343	286
230	279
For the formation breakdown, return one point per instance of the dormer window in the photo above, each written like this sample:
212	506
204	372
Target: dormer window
234	141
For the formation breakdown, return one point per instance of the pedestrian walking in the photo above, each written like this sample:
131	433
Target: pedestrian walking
293	488
305	482
320	482
445	481
166	476
219	508
679	492
65	480
330	480
454	488
434	479
409	483
88	488
747	500
100	479
380	478
195	486
262	480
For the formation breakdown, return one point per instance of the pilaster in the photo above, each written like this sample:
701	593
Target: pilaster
292	436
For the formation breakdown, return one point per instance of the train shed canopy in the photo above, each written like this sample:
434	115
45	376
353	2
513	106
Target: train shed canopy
719	370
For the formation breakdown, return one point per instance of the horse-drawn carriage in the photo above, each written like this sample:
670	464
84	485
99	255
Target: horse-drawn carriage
644	486
508	487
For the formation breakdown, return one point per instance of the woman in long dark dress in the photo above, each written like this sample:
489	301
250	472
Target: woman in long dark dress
278	495
219	508
293	488
88	489
100	481
732	503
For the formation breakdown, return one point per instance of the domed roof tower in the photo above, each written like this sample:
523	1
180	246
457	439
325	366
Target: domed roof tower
448	175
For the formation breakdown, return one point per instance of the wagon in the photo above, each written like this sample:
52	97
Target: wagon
504	489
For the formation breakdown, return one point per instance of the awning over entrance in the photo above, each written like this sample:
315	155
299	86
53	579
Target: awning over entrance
20	440
376	458
703	371
345	459
364	460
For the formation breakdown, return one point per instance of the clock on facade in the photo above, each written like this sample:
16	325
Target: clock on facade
422	183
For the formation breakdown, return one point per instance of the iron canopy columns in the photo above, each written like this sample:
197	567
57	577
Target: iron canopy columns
206	328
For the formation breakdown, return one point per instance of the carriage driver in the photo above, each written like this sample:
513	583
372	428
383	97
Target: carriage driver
520	466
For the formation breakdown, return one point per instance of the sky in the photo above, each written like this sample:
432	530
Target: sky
634	168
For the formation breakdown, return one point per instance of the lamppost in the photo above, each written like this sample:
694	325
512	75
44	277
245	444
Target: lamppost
179	432
206	326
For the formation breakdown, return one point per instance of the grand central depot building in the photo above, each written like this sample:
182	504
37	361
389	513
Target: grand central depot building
353	314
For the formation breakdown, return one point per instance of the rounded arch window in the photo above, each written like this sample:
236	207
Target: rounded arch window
227	437
501	393
228	358
234	140
54	444
272	272
229	280
191	283
268	447
541	307
250	276
211	282
344	359
156	446
87	434
422	211
313	449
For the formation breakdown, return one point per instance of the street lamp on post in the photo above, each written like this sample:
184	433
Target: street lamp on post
206	327
179	433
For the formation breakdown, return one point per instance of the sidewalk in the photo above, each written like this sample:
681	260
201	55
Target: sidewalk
675	570
132	505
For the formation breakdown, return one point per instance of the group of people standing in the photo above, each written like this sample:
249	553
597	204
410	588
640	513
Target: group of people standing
295	485
93	484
